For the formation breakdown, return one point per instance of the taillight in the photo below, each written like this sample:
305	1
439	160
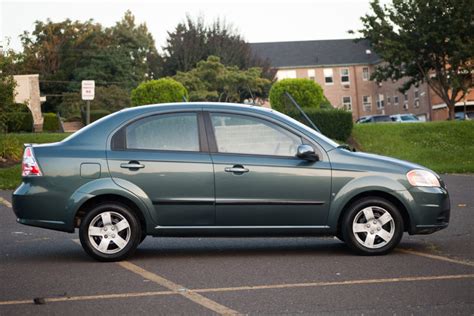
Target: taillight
29	166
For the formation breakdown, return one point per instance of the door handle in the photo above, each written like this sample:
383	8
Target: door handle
236	169
132	165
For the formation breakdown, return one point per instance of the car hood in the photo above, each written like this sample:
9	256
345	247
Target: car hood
370	162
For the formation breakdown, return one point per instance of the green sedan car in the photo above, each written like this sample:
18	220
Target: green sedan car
210	169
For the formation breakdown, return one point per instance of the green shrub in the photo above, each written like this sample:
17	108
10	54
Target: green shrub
158	91
51	122
334	123
18	121
306	93
95	115
10	147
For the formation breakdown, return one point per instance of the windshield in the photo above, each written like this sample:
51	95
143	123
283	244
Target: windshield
409	118
385	118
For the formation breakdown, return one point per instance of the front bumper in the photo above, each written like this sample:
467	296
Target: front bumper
430	209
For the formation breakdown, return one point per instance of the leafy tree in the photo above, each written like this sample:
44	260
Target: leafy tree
213	81
158	91
64	53
7	88
426	41
306	93
193	41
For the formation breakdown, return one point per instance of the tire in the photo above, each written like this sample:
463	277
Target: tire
372	226
112	241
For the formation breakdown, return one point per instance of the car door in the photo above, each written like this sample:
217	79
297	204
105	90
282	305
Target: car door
259	181
166	156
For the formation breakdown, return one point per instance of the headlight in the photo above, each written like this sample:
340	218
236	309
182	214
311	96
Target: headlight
422	178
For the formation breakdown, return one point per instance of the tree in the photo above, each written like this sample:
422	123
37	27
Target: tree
213	81
7	87
428	41
306	93
193	41
164	90
64	53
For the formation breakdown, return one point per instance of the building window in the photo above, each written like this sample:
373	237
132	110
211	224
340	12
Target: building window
365	73
395	99
380	101
367	103
345	75
328	76
286	74
417	98
389	101
347	103
405	97
311	74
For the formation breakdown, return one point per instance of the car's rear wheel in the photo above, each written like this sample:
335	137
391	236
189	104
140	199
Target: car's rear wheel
372	226
110	232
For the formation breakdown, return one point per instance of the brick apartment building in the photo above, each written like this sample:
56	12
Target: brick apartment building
343	69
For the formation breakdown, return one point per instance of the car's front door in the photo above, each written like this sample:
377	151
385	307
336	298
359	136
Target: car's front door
166	156
259	181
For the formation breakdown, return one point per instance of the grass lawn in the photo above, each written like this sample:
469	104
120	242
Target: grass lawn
445	147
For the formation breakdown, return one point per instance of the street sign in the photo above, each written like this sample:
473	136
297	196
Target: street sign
88	90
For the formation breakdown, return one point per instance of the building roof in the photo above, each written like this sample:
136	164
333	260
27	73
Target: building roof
299	54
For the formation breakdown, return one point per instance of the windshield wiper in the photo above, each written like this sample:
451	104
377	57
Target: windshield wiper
347	147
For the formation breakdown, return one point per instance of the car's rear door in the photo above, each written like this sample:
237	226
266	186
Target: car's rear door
259	181
166	156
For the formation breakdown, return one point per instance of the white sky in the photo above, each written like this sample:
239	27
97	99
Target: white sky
256	20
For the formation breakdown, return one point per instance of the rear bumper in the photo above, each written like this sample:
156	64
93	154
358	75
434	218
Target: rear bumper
431	209
35	206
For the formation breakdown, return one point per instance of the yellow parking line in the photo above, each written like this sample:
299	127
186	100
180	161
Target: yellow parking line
5	202
90	297
436	257
178	289
333	283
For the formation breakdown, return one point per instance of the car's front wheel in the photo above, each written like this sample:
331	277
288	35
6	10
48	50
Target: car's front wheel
110	232
372	226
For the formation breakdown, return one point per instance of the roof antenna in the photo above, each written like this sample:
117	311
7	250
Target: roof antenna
251	94
184	99
308	120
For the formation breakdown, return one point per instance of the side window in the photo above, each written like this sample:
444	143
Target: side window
177	131
249	135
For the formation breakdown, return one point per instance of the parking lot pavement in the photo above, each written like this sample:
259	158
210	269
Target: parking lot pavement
431	274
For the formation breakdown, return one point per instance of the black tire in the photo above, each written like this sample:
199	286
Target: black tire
379	239
130	236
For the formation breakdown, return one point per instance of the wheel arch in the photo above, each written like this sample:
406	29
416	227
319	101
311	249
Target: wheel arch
380	194
105	190
113	198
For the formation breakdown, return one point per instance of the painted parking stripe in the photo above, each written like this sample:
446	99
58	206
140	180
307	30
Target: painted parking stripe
178	289
245	288
436	257
90	297
5	202
335	283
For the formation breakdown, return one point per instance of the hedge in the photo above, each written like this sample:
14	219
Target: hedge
18	121
51	122
95	115
335	123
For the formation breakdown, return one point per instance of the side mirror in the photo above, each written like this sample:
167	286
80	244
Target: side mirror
306	152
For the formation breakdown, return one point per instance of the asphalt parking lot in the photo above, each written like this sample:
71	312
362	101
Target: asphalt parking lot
430	274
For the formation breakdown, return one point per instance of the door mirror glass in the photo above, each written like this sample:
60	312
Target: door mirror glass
306	152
